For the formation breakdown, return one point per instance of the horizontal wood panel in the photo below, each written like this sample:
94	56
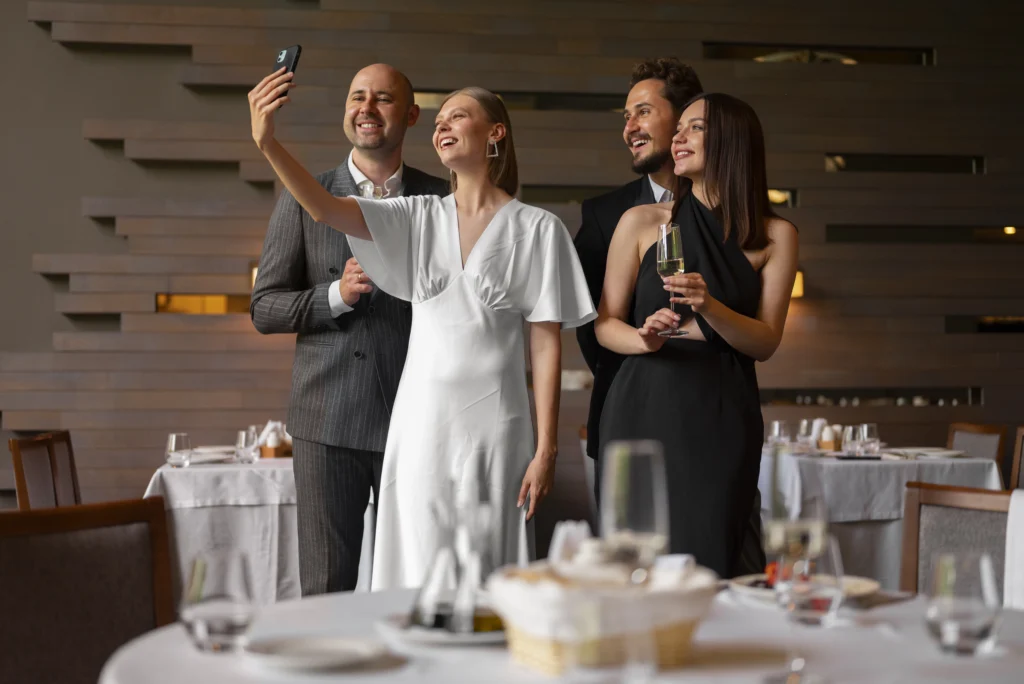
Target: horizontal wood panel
206	227
157	342
162	361
104	303
199	246
165	284
126	264
94	381
109	207
531	17
187	323
167	421
127	400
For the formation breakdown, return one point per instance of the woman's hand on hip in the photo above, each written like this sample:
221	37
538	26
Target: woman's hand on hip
539	478
265	99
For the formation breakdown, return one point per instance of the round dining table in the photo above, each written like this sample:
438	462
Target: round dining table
739	641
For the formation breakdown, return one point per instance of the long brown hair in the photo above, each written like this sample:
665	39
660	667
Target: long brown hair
735	178
503	169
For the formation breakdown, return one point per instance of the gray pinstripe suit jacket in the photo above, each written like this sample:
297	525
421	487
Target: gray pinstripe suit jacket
346	369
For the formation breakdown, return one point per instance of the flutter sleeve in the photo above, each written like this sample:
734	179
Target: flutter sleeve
555	289
391	257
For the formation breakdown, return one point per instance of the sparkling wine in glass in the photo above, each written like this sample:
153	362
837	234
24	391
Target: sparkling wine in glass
670	263
634	504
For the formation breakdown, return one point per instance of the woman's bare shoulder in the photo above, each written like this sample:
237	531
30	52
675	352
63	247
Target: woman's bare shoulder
644	216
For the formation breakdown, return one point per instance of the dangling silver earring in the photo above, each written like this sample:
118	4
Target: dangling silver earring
492	149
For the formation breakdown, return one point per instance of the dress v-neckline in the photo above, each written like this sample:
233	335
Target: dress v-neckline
458	233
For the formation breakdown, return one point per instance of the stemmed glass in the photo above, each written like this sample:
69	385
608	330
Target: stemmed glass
634	504
670	263
798	542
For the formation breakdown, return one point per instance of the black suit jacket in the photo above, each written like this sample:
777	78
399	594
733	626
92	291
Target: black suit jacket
600	217
346	369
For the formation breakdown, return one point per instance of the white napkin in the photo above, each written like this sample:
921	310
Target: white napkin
274	427
816	428
566	539
1013	573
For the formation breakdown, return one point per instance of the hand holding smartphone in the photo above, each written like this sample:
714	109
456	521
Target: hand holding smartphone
288	58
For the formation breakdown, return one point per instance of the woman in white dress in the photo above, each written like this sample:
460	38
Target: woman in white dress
475	265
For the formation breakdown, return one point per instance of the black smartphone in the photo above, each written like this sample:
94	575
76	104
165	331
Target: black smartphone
288	58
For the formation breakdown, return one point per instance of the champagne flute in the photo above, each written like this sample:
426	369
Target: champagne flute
670	263
634	504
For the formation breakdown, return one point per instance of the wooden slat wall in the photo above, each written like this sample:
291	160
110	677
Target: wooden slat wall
873	315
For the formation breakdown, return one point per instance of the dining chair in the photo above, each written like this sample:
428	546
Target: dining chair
941	519
79	582
33	472
65	474
977	440
1016	472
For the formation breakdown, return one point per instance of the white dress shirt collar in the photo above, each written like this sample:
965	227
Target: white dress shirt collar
392	186
660	194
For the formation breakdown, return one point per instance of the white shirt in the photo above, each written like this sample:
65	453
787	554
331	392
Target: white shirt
660	194
392	188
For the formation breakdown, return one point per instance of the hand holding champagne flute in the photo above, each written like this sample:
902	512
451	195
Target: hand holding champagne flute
670	263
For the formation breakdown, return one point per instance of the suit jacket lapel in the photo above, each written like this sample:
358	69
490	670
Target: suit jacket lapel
343	184
646	194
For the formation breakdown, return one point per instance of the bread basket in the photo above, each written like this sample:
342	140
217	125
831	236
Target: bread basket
552	622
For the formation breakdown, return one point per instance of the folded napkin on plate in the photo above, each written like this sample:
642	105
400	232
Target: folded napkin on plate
1013	573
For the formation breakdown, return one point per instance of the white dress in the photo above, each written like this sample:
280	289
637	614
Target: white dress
463	390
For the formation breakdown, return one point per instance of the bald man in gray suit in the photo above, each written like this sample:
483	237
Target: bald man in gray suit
352	338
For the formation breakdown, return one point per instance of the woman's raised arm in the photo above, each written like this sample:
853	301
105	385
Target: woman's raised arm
341	213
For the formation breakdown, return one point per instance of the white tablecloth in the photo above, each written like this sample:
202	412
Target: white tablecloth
735	644
865	500
249	507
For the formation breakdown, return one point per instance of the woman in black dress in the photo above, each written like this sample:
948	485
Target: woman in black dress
698	394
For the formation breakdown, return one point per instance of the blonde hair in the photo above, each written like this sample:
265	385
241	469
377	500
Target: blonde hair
503	169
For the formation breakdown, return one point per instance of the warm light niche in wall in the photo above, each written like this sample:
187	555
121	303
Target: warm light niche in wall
798	285
202	305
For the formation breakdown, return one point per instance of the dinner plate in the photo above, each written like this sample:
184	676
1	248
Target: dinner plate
312	652
396	628
853	587
212	454
928	452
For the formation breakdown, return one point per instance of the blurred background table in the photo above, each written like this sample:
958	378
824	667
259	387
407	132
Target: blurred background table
248	507
864	500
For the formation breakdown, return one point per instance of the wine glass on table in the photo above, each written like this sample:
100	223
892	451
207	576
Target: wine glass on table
797	541
179	450
634	504
217	605
670	263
